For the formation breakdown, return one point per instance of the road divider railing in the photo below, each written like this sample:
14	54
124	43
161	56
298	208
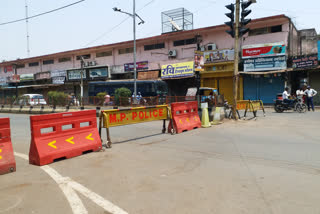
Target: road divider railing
254	106
7	160
63	135
120	117
185	117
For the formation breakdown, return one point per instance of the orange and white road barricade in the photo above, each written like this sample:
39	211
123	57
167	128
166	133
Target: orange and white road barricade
185	116
63	135
7	161
120	117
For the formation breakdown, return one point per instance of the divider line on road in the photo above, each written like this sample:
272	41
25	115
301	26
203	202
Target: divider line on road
68	187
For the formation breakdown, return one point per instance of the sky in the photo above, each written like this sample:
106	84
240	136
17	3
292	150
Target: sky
93	22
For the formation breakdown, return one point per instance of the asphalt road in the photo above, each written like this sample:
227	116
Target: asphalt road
271	165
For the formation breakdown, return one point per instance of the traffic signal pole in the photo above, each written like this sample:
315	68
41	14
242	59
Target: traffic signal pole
236	62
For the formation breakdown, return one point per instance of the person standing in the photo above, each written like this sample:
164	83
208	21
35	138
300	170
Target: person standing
300	94
310	93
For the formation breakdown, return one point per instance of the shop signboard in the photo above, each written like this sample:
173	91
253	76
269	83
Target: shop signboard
148	75
178	70
265	63
42	75
13	78
98	72
26	77
3	81
263	50
198	60
8	69
305	61
139	65
61	73
58	80
218	56
76	74
117	69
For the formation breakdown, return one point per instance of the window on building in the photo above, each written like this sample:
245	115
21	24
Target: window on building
86	56
154	46
20	66
126	50
275	29
265	30
64	59
47	62
185	42
32	64
105	53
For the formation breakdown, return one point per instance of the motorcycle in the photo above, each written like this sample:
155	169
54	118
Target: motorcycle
296	105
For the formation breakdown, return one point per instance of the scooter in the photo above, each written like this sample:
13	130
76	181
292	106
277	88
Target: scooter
296	105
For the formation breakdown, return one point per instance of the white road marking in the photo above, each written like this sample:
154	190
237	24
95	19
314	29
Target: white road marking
67	185
74	200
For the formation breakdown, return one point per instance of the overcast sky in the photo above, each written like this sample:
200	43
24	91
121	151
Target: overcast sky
93	22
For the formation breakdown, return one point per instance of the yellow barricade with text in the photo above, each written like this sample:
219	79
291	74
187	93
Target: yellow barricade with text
242	104
121	117
253	106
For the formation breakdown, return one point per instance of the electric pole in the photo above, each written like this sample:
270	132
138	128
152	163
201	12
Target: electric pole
236	62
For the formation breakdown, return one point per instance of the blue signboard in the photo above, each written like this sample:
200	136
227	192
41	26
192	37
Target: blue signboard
318	49
265	63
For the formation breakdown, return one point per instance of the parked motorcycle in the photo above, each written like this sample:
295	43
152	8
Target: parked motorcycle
296	105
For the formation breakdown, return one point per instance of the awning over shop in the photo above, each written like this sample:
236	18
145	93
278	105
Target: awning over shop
31	86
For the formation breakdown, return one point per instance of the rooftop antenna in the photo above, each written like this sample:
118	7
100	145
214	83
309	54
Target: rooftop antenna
27	28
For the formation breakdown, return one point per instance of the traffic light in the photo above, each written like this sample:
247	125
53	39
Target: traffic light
243	22
231	22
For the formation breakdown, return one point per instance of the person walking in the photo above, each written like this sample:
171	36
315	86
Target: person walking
310	93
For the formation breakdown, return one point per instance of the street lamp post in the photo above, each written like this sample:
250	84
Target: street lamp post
81	82
133	15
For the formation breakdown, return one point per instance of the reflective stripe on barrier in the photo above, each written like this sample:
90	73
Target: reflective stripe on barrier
185	116
120	117
7	160
63	135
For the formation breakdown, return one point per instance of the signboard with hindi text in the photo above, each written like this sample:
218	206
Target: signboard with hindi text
265	63
178	70
76	74
140	66
305	61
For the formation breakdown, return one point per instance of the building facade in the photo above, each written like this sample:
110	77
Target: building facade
62	71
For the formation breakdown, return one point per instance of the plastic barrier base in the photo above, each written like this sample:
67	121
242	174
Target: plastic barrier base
7	160
71	134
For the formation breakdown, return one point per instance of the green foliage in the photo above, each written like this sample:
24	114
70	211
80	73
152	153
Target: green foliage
57	98
100	97
122	96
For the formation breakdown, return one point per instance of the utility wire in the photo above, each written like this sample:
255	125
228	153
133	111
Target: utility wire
114	27
30	17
